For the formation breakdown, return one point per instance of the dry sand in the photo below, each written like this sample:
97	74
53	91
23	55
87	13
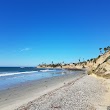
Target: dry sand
86	93
14	97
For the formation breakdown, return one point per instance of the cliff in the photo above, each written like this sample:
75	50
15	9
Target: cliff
99	66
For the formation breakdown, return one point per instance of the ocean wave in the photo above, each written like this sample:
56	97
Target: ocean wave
47	70
17	73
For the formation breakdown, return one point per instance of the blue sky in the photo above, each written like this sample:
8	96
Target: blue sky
36	31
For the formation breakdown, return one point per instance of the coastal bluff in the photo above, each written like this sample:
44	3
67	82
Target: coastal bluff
99	66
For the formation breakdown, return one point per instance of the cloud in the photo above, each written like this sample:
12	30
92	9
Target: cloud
25	49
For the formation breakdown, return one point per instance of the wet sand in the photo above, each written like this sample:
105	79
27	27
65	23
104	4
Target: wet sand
15	97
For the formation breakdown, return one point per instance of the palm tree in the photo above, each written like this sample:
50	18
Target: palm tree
52	65
108	48
88	60
91	59
83	59
105	49
79	60
100	50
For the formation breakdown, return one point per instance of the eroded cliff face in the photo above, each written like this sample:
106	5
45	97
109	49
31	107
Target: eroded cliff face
101	67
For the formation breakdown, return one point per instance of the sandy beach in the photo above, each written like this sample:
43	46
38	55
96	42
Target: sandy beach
14	97
69	92
86	93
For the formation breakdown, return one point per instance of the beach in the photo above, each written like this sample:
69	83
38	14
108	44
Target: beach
85	93
55	55
67	92
21	94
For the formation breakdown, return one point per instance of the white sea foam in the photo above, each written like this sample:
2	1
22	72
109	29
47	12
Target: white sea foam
46	70
10	74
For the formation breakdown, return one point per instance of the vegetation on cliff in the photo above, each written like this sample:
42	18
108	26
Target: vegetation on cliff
99	66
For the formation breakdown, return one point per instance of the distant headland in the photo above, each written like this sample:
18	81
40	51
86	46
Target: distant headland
99	66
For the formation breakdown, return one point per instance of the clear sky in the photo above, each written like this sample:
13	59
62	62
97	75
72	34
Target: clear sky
36	31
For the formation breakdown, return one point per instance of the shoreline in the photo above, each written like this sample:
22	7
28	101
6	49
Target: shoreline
86	93
15	97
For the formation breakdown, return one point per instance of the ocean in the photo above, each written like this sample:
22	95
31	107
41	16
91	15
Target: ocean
10	76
